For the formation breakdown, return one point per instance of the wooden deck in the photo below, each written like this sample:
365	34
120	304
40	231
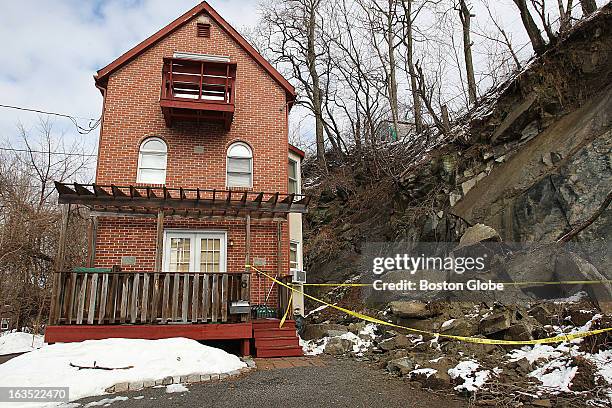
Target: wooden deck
269	340
90	298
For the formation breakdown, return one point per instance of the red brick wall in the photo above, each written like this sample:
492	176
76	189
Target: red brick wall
132	113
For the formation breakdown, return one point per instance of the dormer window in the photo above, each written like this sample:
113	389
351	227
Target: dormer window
239	165
152	161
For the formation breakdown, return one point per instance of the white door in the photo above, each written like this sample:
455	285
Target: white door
190	251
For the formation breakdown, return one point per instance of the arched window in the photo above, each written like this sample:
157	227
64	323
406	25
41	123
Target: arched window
239	165
152	161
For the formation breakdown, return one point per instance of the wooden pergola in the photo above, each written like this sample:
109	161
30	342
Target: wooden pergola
187	202
160	202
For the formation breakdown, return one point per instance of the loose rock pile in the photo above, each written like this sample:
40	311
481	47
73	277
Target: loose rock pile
537	375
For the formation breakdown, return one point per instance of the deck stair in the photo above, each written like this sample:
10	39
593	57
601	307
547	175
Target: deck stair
272	341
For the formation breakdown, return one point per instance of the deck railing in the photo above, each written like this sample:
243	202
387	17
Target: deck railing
198	81
148	298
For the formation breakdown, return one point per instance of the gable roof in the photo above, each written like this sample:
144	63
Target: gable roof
104	73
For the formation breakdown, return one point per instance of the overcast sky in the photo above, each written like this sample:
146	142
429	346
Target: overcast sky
51	49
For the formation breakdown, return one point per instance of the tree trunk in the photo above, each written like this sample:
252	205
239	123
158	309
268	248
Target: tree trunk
537	41
392	68
465	16
416	100
588	7
316	89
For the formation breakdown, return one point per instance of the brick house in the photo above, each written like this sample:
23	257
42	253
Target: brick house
195	181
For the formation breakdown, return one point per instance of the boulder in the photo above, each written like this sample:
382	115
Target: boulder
356	327
460	327
522	366
398	342
432	378
413	309
495	322
478	233
401	366
541	313
519	331
318	331
580	317
337	346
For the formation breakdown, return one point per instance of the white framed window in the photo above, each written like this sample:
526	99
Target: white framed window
294	255
152	161
4	324
294	184
239	165
195	251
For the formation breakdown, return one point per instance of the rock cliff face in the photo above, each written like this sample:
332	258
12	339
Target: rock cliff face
532	160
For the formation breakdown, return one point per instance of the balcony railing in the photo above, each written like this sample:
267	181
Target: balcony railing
198	90
93	297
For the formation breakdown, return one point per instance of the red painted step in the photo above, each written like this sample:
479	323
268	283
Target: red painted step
284	332
272	324
269	342
272	341
280	352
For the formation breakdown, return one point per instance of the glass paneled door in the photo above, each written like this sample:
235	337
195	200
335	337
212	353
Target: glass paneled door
186	251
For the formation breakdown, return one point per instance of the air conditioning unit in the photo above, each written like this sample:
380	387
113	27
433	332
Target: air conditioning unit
299	276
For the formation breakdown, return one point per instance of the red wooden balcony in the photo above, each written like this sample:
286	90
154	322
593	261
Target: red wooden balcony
198	90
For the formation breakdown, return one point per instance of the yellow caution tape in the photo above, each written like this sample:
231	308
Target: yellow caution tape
477	340
280	325
503	283
336	284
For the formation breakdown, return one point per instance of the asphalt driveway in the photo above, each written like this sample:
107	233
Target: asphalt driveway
327	383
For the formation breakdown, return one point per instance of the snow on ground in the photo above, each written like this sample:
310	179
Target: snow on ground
424	371
553	364
19	342
314	347
172	388
555	375
147	360
473	378
361	342
318	309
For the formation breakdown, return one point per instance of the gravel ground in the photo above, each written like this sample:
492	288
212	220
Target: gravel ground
340	383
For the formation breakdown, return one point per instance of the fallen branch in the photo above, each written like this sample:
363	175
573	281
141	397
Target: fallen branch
592	218
97	367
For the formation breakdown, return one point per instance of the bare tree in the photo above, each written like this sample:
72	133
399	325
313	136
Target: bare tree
588	7
537	41
465	15
408	20
382	21
292	30
506	38
30	216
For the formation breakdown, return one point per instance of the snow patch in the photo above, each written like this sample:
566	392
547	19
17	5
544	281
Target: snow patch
19	342
361	343
148	360
556	376
448	323
424	371
172	388
473	378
